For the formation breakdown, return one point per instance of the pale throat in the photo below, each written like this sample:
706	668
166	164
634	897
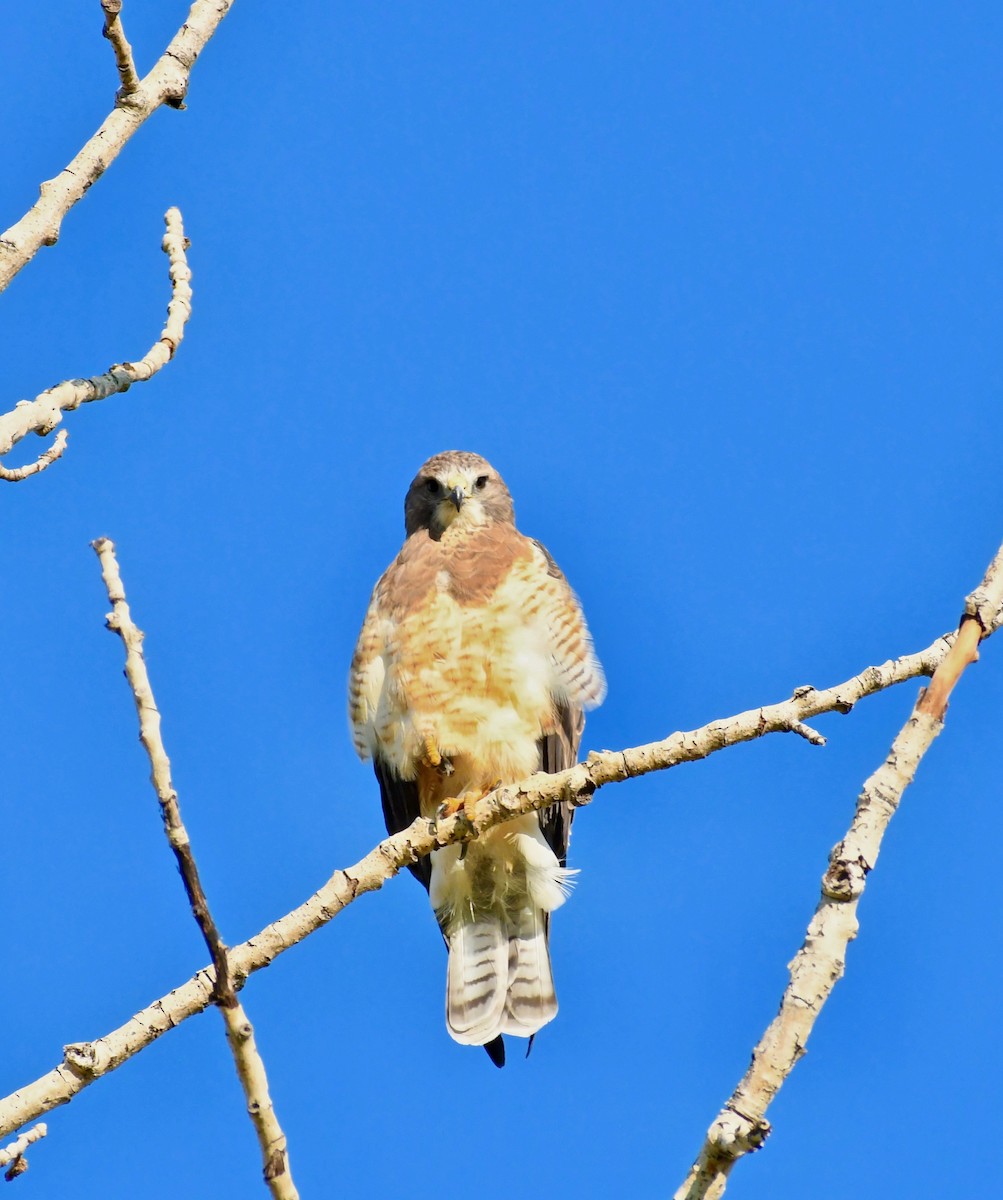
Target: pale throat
470	515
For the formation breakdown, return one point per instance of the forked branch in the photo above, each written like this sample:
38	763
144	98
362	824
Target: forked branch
45	412
239	1030
166	84
84	1062
741	1126
12	1156
115	34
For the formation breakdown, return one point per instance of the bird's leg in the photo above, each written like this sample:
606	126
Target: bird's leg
432	758
432	755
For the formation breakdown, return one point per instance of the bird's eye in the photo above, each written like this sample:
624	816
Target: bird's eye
481	482
432	487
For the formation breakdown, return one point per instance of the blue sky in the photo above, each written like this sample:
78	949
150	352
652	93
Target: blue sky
716	287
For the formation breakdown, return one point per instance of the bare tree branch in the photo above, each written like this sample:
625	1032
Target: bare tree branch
84	1062
239	1030
45	412
741	1126
115	34
14	1153
982	615
166	84
46	459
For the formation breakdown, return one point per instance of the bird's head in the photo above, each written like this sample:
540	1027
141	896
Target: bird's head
456	488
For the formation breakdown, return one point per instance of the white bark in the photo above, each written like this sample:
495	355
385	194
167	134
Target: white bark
45	412
83	1063
239	1030
14	1153
166	84
741	1125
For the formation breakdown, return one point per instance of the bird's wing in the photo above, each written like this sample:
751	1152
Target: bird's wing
365	683
558	751
365	677
578	678
578	684
400	808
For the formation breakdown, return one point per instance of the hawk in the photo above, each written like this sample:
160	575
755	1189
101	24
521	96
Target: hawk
473	669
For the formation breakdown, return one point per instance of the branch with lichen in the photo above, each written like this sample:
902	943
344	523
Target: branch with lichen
239	1030
165	84
741	1126
44	413
87	1061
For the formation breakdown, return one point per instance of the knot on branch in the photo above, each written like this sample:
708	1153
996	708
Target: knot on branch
601	767
735	1133
276	1165
983	607
85	1059
579	797
846	878
132	98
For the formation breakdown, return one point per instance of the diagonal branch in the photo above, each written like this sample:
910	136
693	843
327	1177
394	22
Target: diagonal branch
166	84
45	412
115	34
84	1062
741	1126
239	1030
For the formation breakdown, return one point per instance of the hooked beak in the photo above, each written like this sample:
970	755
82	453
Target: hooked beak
457	497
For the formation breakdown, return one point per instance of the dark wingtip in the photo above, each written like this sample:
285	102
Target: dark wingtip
529	1044
496	1051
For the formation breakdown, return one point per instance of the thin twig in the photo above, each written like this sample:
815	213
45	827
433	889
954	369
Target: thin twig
115	34
741	1126
14	1153
86	1061
809	734
166	84
239	1031
46	459
45	412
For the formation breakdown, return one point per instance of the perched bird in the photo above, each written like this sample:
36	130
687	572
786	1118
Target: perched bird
473	668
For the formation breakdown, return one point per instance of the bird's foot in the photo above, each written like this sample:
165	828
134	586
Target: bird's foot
458	804
461	803
456	807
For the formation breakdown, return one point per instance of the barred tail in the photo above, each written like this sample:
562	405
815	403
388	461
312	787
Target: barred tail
476	980
499	978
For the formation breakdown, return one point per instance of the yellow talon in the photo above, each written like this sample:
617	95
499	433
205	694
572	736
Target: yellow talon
450	807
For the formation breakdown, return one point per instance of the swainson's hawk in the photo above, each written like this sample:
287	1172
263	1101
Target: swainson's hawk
473	668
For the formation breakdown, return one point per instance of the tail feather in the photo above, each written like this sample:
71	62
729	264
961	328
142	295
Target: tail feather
476	980
493	904
499	978
531	1000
